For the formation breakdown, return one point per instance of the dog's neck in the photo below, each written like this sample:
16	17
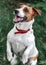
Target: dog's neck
25	25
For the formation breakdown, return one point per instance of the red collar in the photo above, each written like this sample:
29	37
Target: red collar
20	31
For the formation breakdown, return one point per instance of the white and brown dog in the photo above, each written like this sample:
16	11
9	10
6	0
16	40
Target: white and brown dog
21	36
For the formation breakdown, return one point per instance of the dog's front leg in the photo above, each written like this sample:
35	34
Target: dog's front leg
11	59
9	53
14	60
26	54
33	62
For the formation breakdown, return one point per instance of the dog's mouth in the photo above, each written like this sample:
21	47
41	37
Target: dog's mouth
19	19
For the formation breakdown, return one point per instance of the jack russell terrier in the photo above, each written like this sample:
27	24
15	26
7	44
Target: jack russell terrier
21	36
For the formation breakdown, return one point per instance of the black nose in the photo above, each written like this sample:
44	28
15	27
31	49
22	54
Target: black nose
16	11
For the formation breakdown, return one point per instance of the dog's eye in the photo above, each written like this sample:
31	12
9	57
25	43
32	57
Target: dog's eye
25	10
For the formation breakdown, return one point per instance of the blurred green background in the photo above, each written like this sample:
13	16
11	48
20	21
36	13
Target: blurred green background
6	23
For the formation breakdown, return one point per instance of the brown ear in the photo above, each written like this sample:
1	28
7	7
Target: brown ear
36	11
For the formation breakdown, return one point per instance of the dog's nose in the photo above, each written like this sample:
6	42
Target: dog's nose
16	11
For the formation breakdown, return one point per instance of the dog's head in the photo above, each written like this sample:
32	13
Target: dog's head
25	13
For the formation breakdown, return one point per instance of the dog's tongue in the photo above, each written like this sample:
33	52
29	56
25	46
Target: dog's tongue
16	19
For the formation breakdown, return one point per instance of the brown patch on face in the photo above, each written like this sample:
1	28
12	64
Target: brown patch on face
29	12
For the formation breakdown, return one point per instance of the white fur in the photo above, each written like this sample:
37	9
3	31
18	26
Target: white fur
21	13
18	42
33	62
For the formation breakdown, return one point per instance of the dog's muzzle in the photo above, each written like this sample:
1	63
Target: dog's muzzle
18	18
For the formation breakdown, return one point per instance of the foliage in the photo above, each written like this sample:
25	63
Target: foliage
6	23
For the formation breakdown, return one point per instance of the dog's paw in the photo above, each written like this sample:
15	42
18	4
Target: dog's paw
13	61
24	59
9	58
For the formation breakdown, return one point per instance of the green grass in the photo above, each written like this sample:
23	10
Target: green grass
6	23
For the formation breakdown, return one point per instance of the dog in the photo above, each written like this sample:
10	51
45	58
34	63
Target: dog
22	37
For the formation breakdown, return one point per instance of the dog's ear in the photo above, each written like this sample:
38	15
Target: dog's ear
36	11
21	4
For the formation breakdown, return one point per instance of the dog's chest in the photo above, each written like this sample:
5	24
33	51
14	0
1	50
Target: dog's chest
20	41
25	38
16	41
